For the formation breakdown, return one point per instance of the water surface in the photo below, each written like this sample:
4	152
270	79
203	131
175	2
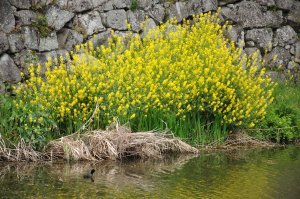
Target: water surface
259	173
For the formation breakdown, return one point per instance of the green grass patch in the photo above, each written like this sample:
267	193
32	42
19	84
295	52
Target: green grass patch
282	121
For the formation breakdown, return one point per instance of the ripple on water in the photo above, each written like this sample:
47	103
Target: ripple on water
272	173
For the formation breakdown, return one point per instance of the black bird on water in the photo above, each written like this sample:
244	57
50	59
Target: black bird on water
90	175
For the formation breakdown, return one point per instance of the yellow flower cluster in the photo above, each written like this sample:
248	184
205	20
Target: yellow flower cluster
183	69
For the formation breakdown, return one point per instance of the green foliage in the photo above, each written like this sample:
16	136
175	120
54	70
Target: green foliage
273	8
14	123
195	129
282	121
134	5
7	123
41	25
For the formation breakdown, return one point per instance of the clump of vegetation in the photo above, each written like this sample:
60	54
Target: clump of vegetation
24	122
134	5
282	121
189	79
7	124
118	143
41	25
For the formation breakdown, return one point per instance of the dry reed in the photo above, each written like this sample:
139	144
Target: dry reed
238	140
116	144
20	152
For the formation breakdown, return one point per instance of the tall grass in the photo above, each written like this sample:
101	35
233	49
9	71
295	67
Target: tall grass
7	123
195	129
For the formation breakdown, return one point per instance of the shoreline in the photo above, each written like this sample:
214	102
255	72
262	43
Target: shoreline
86	147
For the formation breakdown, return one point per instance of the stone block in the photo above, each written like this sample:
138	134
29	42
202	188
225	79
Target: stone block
57	18
294	15
157	12
68	38
145	4
135	18
261	37
89	23
9	72
278	57
115	19
21	4
200	6
30	38
251	15
7	19
285	35
81	5
48	43
266	2
25	17
179	10
101	38
284	4
297	51
16	42
3	43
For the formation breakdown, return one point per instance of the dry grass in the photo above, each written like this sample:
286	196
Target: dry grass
20	152
117	143
238	140
114	143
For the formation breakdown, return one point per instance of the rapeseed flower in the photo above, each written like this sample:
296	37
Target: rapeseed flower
182	69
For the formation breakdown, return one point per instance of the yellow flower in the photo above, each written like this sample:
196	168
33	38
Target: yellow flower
188	70
251	125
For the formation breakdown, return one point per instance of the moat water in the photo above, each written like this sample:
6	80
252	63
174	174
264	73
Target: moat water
256	173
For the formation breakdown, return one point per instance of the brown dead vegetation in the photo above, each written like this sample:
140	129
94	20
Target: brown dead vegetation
238	140
114	143
20	152
119	143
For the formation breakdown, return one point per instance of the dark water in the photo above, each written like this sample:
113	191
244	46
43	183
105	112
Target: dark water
272	173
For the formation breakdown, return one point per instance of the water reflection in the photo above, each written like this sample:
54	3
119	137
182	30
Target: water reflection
273	173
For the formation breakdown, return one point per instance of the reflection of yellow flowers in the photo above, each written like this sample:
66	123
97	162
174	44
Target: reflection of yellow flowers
188	70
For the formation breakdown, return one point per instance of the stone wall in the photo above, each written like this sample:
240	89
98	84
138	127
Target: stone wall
32	30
